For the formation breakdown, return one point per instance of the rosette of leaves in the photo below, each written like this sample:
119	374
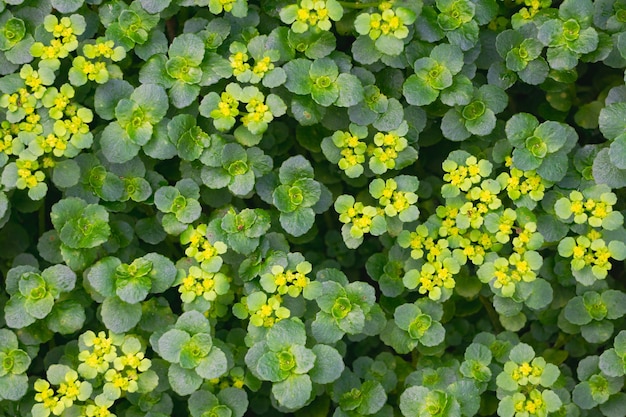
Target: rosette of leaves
381	368
283	359
421	401
241	231
81	228
136	117
460	20
344	307
413	324
14	39
132	175
230	165
13	365
612	124
179	203
388	269
595	387
186	68
594	311
189	138
373	108
322	80
122	287
477	363
570	35
522	52
228	402
358	398
93	177
128	25
478	117
540	146
296	194
272	250
438	76
188	347
443	375
34	294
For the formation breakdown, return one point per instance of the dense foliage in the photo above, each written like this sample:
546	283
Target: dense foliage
219	208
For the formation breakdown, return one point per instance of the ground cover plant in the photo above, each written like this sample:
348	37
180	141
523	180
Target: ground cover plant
219	208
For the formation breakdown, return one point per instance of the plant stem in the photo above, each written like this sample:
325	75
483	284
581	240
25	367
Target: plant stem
358	5
42	219
491	312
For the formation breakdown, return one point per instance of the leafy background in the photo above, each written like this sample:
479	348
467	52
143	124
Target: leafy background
314	207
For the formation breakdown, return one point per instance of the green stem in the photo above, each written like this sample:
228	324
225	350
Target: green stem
491	312
42	219
358	5
561	340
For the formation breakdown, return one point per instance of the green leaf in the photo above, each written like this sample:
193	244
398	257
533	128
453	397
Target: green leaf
269	367
15	314
101	276
325	329
133	290
286	333
39	308
117	145
13	387
171	343
162	274
293	392
67	317
298	222
201	401
214	365
417	92
183	381
66	174
119	316
108	95
235	399
298	80
328	364
295	168
350	90
605	172
374	398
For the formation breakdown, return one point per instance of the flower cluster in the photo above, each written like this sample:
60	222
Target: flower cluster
64	38
311	14
287	281
114	363
526	380
263	311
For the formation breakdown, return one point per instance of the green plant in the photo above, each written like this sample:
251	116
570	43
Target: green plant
219	208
